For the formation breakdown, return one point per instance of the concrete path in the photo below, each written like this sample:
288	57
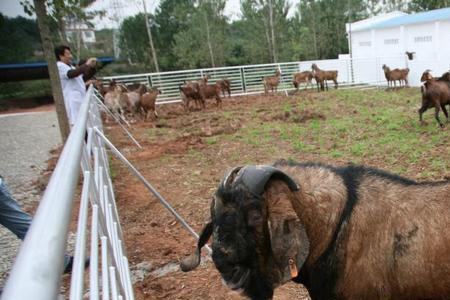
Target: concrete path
25	142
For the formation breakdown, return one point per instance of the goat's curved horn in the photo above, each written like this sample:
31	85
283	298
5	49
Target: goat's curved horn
192	261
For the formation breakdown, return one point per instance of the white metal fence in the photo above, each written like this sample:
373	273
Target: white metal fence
37	271
247	79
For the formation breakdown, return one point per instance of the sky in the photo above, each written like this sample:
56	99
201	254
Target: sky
125	8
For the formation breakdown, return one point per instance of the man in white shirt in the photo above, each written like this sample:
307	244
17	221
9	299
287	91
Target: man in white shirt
73	86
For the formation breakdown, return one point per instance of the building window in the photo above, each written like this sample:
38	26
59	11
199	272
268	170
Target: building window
88	34
423	39
391	41
365	44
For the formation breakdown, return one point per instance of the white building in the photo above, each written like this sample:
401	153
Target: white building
86	33
426	33
387	37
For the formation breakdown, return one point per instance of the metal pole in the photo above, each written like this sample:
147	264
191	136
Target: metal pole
148	185
100	103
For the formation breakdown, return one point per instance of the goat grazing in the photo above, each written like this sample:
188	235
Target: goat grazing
396	74
305	76
435	93
322	76
271	82
225	86
345	233
148	102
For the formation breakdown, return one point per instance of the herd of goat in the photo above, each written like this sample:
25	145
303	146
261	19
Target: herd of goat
138	99
345	233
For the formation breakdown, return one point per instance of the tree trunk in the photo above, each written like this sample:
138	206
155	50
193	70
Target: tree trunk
47	44
272	31
150	38
62	31
208	39
78	33
315	34
269	44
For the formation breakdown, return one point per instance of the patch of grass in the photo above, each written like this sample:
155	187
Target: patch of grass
211	140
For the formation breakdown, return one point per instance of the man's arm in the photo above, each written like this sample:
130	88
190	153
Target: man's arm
83	69
78	71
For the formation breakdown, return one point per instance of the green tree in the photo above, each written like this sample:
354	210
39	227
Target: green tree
19	40
171	17
134	40
392	5
424	5
323	25
64	15
204	41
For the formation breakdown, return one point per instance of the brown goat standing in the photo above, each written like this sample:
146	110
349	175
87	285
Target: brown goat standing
210	91
135	96
190	91
148	103
271	82
322	76
435	93
396	74
225	86
305	76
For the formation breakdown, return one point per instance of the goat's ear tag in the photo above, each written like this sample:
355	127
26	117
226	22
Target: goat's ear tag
293	268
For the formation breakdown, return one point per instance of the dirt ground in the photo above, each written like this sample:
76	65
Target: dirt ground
184	157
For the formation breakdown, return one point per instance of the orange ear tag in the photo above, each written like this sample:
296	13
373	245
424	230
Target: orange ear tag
293	268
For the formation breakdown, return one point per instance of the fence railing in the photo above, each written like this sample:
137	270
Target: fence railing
37	271
248	79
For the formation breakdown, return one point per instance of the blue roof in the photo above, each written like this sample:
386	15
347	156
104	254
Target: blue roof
44	64
422	17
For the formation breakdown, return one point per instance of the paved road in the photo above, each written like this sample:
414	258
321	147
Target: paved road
25	142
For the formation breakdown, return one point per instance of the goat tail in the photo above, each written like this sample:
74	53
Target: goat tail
295	84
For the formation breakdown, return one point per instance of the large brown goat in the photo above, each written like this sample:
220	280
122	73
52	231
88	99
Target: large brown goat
396	74
345	233
435	93
305	76
322	77
271	82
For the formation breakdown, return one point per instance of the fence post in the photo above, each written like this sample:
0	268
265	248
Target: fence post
244	85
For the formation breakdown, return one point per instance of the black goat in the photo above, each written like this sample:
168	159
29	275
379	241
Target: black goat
345	233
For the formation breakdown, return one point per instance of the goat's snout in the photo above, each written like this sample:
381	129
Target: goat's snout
238	279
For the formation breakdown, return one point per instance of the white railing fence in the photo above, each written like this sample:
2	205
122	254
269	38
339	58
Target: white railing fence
37	271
